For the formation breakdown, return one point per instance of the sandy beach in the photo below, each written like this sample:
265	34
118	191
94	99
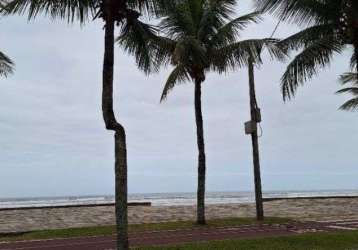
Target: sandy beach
55	218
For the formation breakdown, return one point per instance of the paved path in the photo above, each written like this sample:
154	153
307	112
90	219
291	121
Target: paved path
184	236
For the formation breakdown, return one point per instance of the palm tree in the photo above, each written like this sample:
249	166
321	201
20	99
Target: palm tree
252	130
6	65
125	14
350	78
329	26
198	36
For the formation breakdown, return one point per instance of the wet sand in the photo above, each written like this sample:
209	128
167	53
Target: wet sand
55	218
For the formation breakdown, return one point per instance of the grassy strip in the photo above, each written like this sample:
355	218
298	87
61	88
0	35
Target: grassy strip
321	241
109	230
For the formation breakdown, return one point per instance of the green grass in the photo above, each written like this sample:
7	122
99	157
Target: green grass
321	241
109	230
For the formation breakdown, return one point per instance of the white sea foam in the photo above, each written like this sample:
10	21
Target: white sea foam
167	199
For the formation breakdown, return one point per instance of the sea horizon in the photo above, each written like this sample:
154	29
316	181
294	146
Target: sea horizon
167	199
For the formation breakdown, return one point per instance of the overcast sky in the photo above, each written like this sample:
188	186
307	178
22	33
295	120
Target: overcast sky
53	141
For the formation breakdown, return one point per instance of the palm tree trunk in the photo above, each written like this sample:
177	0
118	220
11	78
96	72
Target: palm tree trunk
120	136
121	190
355	45
201	158
255	145
354	5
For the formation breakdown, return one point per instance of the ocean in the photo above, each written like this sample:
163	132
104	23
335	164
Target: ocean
166	199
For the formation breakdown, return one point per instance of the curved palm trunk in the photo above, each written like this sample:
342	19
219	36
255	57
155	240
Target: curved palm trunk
120	136
255	145
201	158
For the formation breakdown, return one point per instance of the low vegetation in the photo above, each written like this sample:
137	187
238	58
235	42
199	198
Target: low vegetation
110	230
323	241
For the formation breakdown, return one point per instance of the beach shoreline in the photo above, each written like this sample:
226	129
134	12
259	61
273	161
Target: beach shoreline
74	217
168	199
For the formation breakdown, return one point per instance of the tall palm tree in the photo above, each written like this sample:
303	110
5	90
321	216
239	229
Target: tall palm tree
6	65
350	78
198	36
124	13
329	26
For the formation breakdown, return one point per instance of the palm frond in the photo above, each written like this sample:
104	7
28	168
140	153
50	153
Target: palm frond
229	32
147	6
190	51
178	76
224	8
308	36
351	105
70	10
134	39
178	21
275	49
349	78
302	12
354	61
349	90
6	65
196	12
236	55
215	14
164	48
161	8
156	8
306	64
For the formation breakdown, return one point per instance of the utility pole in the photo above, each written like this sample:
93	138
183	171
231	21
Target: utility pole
251	128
